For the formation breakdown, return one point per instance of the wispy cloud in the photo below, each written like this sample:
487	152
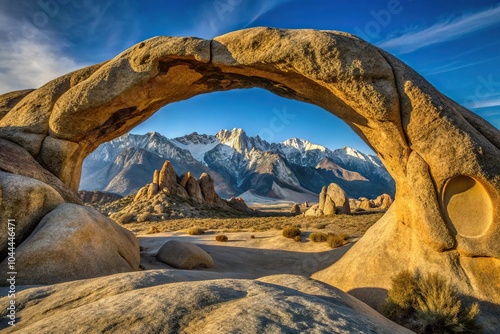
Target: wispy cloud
221	16
485	104
456	66
448	30
30	62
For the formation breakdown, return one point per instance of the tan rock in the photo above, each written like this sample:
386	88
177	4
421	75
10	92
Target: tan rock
156	176
329	207
184	255
152	190
16	160
142	193
167	178
208	189
74	242
9	100
383	202
339	198
314	211
193	190
26	201
365	204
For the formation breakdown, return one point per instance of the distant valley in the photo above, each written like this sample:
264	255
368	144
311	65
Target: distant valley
241	165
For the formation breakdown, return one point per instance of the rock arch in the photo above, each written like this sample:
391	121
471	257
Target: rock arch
423	138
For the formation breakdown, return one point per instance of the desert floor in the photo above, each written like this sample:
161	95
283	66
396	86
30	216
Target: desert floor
267	253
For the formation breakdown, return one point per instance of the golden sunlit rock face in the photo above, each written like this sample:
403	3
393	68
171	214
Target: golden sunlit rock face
444	159
468	208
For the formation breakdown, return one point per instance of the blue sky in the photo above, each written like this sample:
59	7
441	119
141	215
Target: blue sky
455	45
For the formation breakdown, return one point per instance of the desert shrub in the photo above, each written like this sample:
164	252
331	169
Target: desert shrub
336	240
291	232
252	236
221	238
429	304
318	237
195	231
297	238
153	230
321	226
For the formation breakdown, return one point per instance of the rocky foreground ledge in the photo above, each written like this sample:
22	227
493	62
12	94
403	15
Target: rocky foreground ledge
173	301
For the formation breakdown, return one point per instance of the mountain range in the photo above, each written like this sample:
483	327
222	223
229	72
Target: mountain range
240	165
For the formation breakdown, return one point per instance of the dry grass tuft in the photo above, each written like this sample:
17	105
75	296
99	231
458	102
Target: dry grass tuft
291	232
429	304
318	237
336	240
195	231
221	238
297	238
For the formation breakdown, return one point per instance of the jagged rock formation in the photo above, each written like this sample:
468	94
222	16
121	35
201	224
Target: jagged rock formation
201	192
444	159
332	201
170	196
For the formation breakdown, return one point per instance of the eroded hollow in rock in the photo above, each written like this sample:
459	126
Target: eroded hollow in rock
468	207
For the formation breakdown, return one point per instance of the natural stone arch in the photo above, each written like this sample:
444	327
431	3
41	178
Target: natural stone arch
422	137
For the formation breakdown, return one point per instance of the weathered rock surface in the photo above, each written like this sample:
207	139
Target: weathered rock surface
385	248
314	211
26	201
332	200
207	189
74	242
440	154
16	160
167	178
184	255
9	100
162	301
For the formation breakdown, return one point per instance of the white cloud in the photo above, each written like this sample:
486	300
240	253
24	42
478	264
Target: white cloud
443	31
221	16
485	103
30	62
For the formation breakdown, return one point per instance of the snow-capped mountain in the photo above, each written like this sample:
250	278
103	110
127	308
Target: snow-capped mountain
238	163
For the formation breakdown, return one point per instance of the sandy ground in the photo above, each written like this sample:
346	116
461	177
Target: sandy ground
268	253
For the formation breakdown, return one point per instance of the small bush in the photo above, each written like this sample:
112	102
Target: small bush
291	232
252	236
221	238
195	231
297	238
336	240
318	237
429	304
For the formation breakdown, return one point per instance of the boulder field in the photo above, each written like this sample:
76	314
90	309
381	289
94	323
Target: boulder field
444	159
